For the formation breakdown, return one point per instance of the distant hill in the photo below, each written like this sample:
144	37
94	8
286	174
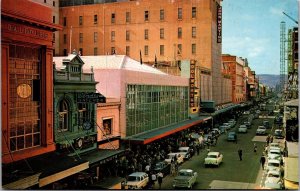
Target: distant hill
269	79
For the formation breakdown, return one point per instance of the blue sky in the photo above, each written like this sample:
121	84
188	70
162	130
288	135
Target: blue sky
251	29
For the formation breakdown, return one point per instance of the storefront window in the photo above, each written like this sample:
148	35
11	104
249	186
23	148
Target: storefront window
63	116
107	126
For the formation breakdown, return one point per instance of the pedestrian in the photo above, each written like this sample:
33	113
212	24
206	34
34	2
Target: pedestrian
153	179
160	179
262	161
198	149
240	152
268	139
271	139
255	148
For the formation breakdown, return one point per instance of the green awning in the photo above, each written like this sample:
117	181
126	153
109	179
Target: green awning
101	155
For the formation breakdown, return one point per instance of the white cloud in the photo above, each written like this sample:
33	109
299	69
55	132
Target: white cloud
275	11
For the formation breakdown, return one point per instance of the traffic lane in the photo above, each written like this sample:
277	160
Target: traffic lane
231	169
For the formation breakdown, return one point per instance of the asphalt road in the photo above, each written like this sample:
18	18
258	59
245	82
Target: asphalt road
232	173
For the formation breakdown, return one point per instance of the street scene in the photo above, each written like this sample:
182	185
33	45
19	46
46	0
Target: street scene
149	94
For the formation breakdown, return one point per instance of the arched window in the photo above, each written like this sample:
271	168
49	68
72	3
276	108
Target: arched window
82	113
63	117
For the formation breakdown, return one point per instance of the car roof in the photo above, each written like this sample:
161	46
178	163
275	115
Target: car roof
137	174
213	153
186	170
274	172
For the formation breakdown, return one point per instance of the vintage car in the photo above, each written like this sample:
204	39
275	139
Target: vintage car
274	164
242	129
213	158
137	180
266	123
231	136
273	180
278	134
232	122
186	152
163	167
186	178
261	130
179	156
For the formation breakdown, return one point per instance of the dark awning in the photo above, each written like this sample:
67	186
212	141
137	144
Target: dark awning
225	109
159	133
102	156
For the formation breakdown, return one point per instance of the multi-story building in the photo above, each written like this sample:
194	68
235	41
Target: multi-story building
293	62
168	32
235	66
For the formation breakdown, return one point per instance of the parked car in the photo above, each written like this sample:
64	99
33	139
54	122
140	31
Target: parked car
186	178
213	158
232	122
246	112
216	131
242	129
261	130
231	136
180	158
162	167
266	123
137	180
228	124
275	155
274	164
273	180
186	152
247	124
225	127
278	134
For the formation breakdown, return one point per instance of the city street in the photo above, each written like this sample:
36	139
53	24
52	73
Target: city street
232	173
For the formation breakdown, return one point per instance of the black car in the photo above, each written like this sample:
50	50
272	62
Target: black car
162	167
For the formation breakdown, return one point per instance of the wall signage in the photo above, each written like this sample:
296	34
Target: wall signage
91	97
192	83
219	24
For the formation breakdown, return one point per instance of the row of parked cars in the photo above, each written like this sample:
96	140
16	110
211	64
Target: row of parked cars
274	167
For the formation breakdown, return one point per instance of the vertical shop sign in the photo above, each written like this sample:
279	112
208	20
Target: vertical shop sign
219	23
192	83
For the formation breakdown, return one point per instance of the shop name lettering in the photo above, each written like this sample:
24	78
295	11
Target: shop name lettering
192	83
219	24
90	97
26	31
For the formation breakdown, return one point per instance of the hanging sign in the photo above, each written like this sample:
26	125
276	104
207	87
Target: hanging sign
219	24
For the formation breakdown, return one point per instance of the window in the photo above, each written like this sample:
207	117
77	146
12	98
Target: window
81	51
179	13
65	38
53	3
179	49
112	35
107	126
146	15
162	33
127	17
193	32
95	51
162	15
80	20
65	52
113	17
53	37
194	12
127	35
193	48
95	19
45	1
65	21
80	37
63	116
53	19
95	36
127	50
146	34
179	32
113	50
82	113
162	50
146	50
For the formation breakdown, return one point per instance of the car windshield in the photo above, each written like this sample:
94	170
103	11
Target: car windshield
273	175
134	178
211	156
273	164
275	152
261	128
185	173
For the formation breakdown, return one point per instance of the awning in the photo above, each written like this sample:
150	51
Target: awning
291	174
225	109
102	156
23	183
159	133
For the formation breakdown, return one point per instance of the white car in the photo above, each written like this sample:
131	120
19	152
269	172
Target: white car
275	154
261	130
216	131
242	129
180	157
274	164
186	178
228	125
213	158
185	151
273	180
246	112
232	122
137	180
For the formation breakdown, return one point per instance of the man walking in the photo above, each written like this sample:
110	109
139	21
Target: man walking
159	179
240	152
255	148
262	161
